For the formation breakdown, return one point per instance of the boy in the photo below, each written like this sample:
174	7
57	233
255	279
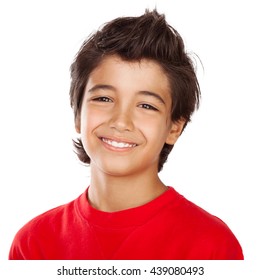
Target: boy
133	90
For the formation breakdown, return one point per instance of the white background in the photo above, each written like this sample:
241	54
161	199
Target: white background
215	162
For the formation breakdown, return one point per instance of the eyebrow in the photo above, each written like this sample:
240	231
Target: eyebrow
101	86
142	92
153	94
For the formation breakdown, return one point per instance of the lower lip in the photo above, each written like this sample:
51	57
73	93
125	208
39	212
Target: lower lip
116	149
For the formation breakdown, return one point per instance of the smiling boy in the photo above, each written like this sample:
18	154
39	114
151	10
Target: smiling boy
125	122
133	91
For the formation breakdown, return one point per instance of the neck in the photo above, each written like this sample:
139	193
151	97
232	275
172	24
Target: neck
114	193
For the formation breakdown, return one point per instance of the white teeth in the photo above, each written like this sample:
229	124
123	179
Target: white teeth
118	144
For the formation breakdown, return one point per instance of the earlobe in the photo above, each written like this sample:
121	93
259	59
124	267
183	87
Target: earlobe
175	131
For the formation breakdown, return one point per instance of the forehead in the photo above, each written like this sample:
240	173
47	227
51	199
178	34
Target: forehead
138	75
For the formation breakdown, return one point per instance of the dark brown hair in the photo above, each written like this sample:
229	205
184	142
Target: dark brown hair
134	38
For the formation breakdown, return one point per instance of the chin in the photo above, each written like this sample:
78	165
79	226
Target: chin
118	172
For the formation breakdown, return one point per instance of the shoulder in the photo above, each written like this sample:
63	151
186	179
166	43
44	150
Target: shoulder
41	229
202	231
51	217
188	213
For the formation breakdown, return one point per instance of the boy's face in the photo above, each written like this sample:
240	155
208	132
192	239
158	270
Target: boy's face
125	116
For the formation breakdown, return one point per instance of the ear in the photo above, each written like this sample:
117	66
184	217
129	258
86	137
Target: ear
77	123
175	131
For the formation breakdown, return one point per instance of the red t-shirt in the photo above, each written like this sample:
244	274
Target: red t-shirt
169	228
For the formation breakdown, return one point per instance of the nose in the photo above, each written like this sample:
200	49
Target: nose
122	120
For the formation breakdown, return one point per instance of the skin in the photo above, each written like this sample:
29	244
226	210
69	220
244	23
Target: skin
124	122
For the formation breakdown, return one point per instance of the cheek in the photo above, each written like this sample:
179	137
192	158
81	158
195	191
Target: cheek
90	119
155	132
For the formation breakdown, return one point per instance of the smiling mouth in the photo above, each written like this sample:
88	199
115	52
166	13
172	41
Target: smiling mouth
117	144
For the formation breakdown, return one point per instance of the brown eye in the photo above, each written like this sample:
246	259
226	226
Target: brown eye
148	107
102	99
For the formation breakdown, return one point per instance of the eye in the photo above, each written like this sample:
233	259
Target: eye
102	99
148	107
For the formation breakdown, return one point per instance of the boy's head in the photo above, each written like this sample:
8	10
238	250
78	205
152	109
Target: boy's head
133	39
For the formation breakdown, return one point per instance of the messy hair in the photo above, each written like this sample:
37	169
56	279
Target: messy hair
148	36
